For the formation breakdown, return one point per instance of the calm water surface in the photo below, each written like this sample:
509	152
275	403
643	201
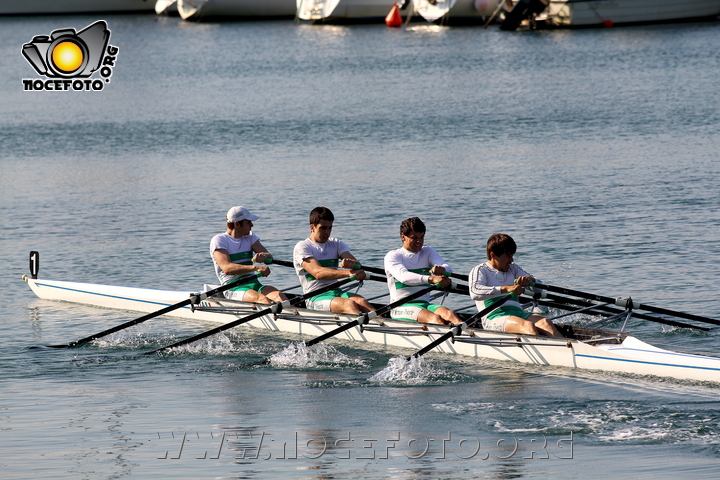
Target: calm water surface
597	150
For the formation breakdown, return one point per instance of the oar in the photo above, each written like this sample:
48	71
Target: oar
365	318
623	303
457	330
361	320
194	299
279	262
615	301
607	309
283	263
461	289
275	308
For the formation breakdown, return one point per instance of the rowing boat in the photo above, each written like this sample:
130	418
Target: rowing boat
585	348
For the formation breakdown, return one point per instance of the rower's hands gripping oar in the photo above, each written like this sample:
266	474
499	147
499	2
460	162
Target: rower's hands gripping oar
194	299
275	308
458	329
366	317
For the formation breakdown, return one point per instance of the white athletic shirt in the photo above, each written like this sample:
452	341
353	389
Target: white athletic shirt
327	254
239	249
485	282
407	272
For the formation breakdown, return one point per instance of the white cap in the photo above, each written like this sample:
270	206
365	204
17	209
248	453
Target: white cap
238	214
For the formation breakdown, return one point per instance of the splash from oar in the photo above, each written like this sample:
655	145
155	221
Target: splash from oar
299	355
415	371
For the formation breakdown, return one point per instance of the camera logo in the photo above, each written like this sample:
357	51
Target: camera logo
69	58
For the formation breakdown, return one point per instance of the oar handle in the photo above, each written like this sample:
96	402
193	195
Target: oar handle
282	263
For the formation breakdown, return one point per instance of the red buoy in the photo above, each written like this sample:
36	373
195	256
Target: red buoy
608	23
393	18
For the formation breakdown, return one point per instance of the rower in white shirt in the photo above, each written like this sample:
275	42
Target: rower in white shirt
413	267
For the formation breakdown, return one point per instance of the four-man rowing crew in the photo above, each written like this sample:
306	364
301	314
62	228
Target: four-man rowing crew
586	347
319	260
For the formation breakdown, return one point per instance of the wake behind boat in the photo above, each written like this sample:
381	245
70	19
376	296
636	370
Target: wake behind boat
585	347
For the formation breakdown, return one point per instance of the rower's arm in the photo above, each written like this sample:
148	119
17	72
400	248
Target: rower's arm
313	267
437	261
398	270
348	260
261	252
222	258
479	288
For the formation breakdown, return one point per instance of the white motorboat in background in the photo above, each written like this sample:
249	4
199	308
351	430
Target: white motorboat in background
166	7
605	13
343	11
456	12
587	13
43	7
247	9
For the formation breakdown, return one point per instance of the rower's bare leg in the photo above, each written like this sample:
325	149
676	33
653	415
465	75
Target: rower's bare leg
544	326
255	297
274	294
426	316
534	325
363	304
448	315
520	325
350	305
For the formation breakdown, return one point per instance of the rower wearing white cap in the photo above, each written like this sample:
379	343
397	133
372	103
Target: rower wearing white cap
233	254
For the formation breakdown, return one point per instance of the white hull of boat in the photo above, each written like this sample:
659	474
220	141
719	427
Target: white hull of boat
456	11
581	13
198	9
166	7
629	356
343	10
42	7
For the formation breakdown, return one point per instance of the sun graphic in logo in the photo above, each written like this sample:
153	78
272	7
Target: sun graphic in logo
67	56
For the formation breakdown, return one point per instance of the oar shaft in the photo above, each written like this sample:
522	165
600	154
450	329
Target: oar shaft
283	263
193	299
614	301
332	333
445	337
280	262
142	319
381	271
363	319
273	309
564	303
457	330
219	329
